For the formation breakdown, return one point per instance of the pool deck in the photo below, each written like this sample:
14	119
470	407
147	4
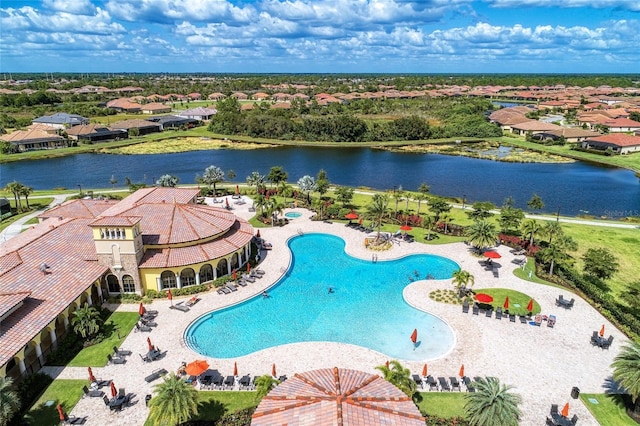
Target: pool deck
541	363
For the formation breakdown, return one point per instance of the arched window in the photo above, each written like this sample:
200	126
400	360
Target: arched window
187	277
113	284
235	264
128	284
222	268
168	280
206	273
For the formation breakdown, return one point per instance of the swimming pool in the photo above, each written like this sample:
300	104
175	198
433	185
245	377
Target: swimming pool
293	215
366	307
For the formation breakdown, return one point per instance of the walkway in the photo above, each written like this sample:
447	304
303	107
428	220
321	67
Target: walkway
17	227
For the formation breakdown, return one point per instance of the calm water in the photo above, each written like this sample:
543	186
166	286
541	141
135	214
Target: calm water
366	308
575	188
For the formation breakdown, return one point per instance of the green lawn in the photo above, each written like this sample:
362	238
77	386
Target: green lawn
531	267
515	298
442	404
35	204
64	392
119	323
609	410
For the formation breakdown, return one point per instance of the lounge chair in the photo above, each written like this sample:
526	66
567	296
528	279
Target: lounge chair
444	385
258	271
574	419
224	290
607	343
229	382
551	321
245	382
142	327
499	313
554	409
489	313
192	301
180	307
465	306
113	360
475	309
468	384
153	312
145	358
249	278
241	282
155	374
416	378
120	353
560	301
523	319
232	287
512	318
455	383
537	319
431	383
571	302
148	323
92	393
74	420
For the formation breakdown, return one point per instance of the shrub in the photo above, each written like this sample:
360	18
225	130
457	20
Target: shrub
68	347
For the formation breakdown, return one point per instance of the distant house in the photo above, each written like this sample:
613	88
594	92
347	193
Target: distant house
155	108
621	125
195	96
216	96
124	105
31	140
620	144
173	121
199	113
144	127
96	133
240	96
61	120
571	135
533	127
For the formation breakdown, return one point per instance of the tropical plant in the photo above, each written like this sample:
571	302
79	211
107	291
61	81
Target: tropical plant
531	228
9	401
481	210
446	220
15	188
285	190
377	210
428	222
398	195
460	280
492	404
482	234
552	229
25	191
600	262
439	206
175	402
398	376
277	175
264	384
86	321
510	218
626	370
344	194
168	181
212	175
257	180
322	183
556	252
535	203
307	184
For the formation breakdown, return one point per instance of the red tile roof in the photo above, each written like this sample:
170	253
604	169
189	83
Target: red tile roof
617	139
336	397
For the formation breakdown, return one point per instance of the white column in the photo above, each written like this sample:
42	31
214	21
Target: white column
54	339
99	287
159	283
23	368
89	299
178	281
228	266
39	353
66	321
197	278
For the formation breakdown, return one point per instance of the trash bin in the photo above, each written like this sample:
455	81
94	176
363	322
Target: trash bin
575	392
147	399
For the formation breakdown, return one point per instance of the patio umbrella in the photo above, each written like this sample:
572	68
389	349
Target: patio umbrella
237	190
248	267
235	368
258	234
602	331
565	410
414	336
170	296
351	215
233	274
387	363
92	378
149	343
461	372
273	371
491	254
63	416
406	228
196	367
360	221
227	202
530	305
114	391
141	309
484	298
506	302
424	371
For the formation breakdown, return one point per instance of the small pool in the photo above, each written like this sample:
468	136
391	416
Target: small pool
365	307
293	215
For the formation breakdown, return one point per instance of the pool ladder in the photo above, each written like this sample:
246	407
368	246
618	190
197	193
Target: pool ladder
300	231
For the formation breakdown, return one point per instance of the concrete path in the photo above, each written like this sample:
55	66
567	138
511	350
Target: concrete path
17	227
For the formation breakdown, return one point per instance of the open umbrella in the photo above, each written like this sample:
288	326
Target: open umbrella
170	296
506	302
273	371
565	410
196	367
406	228
414	336
484	298
141	309
61	412
491	254
235	368
92	378
149	343
114	391
602	331
461	372
530	305
234	275
351	215
424	371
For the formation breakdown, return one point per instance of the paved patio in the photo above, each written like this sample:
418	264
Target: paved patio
541	363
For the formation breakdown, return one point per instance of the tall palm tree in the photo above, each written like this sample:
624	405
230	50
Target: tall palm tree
551	230
15	188
461	278
482	234
9	401
257	180
556	252
399	376
86	321
377	210
420	198
531	228
168	181
492	404
264	384
175	402
25	191
626	370
285	190
446	219
307	184
211	176
398	195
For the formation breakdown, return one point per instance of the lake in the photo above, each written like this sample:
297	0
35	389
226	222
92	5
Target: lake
574	188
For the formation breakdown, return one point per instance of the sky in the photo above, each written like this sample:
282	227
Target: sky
321	36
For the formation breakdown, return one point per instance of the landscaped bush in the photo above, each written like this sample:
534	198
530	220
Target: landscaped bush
68	348
32	387
431	420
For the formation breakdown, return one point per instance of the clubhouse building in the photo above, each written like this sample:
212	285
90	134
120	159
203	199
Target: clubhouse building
85	250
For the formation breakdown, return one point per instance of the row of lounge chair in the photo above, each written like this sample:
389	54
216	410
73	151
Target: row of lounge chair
243	281
215	381
443	384
360	227
499	314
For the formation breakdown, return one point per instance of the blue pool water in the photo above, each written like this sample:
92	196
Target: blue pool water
366	307
293	214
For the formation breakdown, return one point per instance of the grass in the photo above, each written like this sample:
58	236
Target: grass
515	298
610	409
530	266
36	204
64	392
442	404
116	329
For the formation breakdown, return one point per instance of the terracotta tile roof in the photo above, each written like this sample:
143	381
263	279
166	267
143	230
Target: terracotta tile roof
617	139
78	209
336	397
622	122
134	123
9	301
154	195
25	136
116	221
535	126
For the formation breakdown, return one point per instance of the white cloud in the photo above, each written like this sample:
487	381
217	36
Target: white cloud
78	7
631	5
28	18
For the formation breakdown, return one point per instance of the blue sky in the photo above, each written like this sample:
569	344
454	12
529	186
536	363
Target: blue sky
400	36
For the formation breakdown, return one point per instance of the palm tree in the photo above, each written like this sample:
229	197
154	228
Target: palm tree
556	252
461	278
420	198
15	188
307	184
482	234
492	404
168	181
277	175
255	179
377	210
428	222
446	219
264	384
211	176
9	400
176	401
626	370
531	228
398	376
285	190
86	321
26	191
398	195
552	229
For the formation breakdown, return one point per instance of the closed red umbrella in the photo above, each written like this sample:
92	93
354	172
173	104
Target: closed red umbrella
360	221
602	331
424	371
227	202
484	298
248	267
258	234
461	372
141	309
530	305
92	378
351	215
170	296
114	391
406	228
506	303
149	343
414	335
233	274
273	371
237	190
387	363
492	254
565	410
63	416
235	368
